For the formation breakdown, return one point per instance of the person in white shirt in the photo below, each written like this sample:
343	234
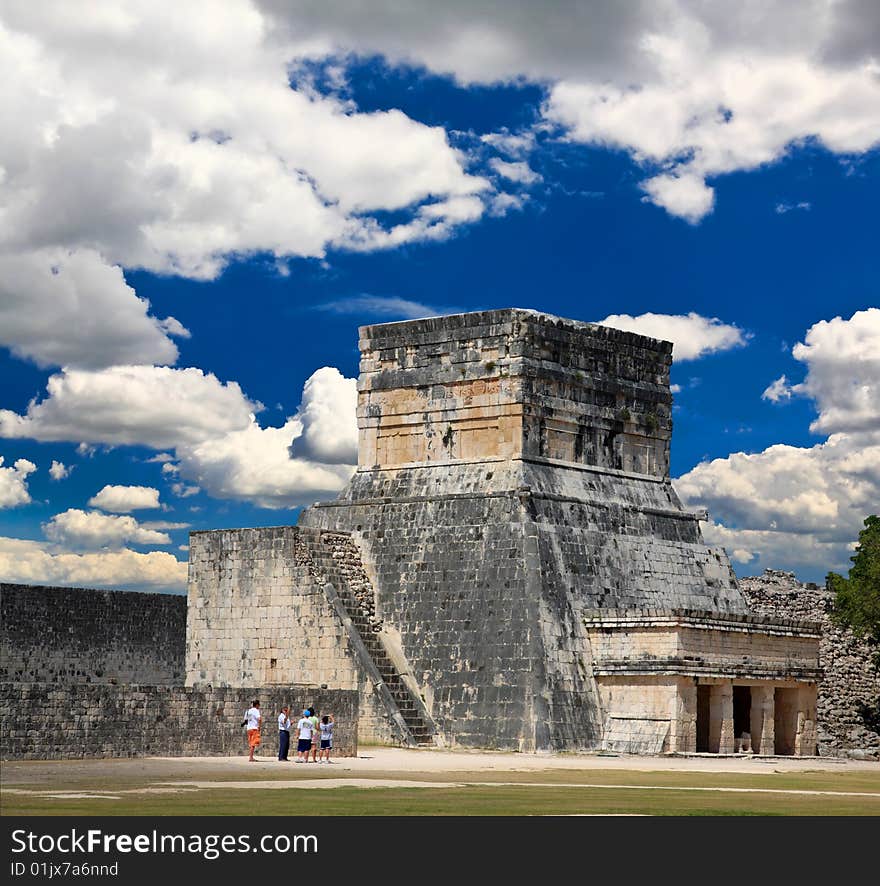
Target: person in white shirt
304	730
326	728
253	718
284	733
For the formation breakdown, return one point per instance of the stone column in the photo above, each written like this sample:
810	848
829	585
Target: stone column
805	737
683	739
721	719
762	726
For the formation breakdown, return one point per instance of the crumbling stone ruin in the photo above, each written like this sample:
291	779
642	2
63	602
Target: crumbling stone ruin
510	566
851	680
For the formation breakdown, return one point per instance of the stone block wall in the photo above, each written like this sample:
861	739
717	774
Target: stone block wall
640	713
509	384
44	721
692	642
258	617
77	635
850	676
458	577
623	542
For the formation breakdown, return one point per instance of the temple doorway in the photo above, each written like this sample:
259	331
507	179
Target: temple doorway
703	713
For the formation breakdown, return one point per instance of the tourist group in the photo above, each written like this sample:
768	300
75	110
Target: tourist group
310	730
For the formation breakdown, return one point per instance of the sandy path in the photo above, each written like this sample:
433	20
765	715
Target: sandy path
398	763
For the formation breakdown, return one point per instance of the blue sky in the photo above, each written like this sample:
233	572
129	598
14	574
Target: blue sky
414	177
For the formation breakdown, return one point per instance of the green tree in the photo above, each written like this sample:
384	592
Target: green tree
857	603
857	598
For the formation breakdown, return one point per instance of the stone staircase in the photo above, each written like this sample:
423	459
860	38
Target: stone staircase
335	558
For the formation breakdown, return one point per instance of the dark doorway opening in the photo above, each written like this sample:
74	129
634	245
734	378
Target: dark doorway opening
742	712
703	707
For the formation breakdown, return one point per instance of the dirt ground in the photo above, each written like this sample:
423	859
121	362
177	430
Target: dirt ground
401	761
392	781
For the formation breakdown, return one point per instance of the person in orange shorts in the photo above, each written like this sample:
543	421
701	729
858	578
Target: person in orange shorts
253	718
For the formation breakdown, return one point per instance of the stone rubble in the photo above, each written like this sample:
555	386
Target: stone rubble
850	676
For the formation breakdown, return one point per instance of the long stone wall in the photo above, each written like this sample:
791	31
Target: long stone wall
44	721
78	635
850	677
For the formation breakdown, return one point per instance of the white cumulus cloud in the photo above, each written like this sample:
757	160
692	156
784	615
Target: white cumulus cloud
777	391
92	530
70	308
181	490
33	562
513	144
255	465
721	97
692	90
124	499
13	483
692	335
791	506
328	412
212	427
843	372
59	471
518	171
309	457
163	142
683	194
153	406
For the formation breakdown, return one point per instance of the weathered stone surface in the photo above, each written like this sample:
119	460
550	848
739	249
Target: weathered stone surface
652	665
850	676
260	614
513	474
48	721
510	566
511	383
704	643
75	635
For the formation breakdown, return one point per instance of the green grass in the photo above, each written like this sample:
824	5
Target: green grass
529	795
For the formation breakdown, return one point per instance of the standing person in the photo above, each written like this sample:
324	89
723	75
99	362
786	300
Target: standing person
303	738
253	719
315	732
326	737
284	733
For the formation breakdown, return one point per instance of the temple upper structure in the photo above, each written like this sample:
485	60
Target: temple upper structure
502	385
510	565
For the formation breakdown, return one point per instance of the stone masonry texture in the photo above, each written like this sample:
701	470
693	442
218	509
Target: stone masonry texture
258	615
509	567
74	635
850	675
513	474
48	721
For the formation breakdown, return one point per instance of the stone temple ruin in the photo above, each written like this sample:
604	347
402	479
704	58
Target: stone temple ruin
510	566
